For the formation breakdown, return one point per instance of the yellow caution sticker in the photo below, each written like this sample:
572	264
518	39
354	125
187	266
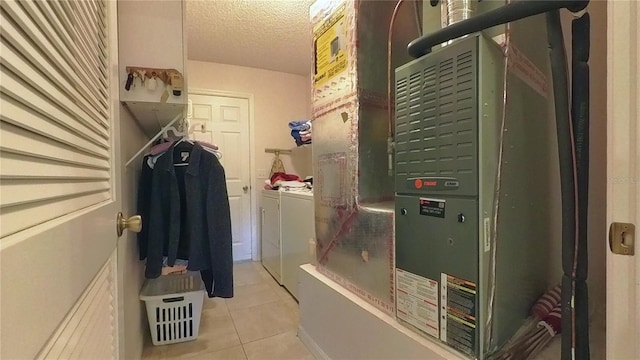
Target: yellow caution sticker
330	47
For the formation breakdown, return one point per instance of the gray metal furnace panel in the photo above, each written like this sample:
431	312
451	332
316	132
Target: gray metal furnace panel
437	122
437	240
433	245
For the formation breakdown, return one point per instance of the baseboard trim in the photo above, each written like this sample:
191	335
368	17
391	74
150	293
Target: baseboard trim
313	347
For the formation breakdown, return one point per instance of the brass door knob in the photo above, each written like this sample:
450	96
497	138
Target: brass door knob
133	223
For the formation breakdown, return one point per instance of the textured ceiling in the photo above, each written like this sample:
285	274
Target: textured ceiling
266	34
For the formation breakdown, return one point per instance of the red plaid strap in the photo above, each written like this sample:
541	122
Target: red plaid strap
553	321
546	303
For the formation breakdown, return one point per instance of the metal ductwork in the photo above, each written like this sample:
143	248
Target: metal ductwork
453	11
353	191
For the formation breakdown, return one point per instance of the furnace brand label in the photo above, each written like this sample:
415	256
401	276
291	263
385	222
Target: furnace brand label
432	207
458	307
417	301
330	45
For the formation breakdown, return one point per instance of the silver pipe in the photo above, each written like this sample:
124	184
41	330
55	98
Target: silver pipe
454	11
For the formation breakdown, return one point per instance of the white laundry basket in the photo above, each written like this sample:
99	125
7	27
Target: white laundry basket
174	307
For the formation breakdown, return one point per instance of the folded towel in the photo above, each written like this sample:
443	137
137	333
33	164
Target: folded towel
177	269
300	125
290	184
296	135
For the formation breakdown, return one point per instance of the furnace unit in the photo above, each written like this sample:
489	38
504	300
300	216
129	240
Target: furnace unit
466	273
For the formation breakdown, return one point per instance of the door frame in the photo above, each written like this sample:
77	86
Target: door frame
623	65
255	250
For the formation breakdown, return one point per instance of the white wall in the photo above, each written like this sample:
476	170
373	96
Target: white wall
130	269
337	324
278	99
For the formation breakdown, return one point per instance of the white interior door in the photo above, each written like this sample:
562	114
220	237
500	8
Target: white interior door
59	190
224	121
623	172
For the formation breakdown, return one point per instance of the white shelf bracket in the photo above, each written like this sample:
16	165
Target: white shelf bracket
162	131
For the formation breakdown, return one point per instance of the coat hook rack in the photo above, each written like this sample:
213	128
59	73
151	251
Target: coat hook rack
171	77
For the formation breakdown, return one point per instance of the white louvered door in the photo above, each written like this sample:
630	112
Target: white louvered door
59	188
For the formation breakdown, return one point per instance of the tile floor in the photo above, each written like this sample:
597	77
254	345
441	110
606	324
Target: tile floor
259	323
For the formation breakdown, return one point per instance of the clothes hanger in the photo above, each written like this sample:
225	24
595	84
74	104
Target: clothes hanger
153	139
182	137
215	152
175	132
161	148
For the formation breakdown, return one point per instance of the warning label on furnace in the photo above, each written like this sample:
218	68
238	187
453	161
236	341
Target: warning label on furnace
458	327
432	207
330	46
417	301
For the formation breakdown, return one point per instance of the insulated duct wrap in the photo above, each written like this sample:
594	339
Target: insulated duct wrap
353	191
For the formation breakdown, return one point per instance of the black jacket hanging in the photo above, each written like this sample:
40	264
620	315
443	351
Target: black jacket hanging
188	216
144	201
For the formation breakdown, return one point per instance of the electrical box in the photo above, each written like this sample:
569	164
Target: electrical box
471	237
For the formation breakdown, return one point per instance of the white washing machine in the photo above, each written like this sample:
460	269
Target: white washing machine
297	227
270	233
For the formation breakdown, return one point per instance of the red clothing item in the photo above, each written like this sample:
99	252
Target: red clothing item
285	177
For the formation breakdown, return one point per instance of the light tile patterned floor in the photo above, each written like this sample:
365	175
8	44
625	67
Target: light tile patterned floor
259	323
